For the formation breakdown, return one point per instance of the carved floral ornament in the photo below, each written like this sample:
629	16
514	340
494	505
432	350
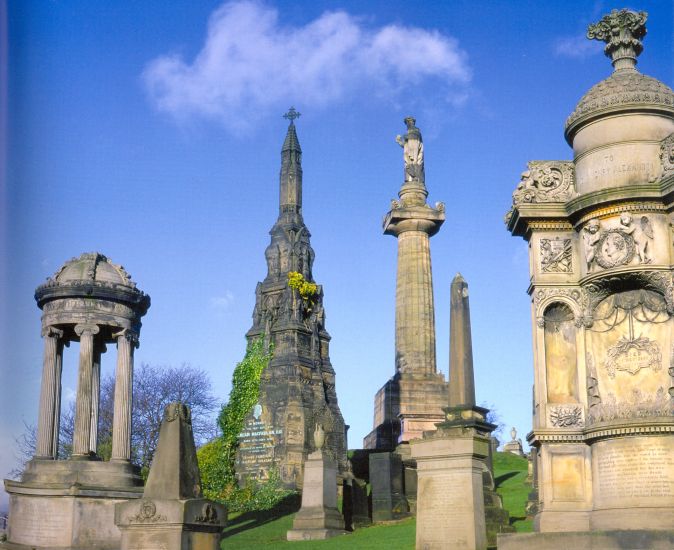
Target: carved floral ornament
546	181
566	416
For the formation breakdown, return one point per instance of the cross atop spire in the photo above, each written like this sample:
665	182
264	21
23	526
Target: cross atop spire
292	114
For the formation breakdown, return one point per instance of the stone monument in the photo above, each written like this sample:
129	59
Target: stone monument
412	400
451	462
172	514
600	239
297	390
318	517
70	503
514	446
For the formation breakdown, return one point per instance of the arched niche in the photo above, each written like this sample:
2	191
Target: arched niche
560	354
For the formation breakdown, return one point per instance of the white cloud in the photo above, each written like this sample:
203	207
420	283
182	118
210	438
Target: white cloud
251	63
222	302
578	47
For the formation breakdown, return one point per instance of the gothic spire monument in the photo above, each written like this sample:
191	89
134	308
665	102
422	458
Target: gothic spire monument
297	389
412	400
599	233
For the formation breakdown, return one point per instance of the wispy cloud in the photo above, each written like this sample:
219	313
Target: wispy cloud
578	46
250	63
222	302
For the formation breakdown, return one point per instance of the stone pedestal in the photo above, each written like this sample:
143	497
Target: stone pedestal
450	503
318	517
68	504
387	483
172	514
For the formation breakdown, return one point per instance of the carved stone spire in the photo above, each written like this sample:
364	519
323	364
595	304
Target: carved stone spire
290	199
622	31
461	378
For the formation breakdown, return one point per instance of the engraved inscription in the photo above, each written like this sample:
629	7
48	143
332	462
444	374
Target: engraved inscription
636	471
40	524
447	515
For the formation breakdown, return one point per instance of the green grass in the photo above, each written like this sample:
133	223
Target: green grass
510	474
267	529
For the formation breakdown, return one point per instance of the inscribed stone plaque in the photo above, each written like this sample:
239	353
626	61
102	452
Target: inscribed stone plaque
634	471
257	442
41	521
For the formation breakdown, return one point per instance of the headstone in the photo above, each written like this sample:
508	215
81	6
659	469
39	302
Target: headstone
297	389
172	515
600	242
412	400
318	517
387	486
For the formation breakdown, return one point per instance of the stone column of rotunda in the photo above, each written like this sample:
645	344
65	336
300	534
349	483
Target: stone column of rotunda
50	395
121	424
83	406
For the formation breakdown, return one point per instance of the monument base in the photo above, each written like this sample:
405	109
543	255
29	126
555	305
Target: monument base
318	517
163	524
69	504
589	540
450	497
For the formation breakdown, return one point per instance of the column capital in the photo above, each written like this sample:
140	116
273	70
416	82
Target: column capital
52	332
130	335
85	327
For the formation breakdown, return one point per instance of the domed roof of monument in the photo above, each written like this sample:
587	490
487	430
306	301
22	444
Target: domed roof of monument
626	89
92	267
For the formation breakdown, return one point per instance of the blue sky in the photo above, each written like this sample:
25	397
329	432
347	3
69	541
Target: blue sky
151	132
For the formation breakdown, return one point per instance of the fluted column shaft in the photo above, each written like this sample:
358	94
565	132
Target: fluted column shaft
57	396
82	433
415	312
50	384
95	396
121	425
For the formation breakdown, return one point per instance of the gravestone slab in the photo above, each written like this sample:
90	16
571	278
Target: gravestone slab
386	481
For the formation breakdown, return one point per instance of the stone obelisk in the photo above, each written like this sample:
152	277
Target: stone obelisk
452	460
412	400
297	389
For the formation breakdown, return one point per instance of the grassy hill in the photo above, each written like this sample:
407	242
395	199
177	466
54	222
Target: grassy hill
268	529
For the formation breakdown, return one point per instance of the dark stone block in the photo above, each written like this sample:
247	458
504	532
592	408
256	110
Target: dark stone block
386	480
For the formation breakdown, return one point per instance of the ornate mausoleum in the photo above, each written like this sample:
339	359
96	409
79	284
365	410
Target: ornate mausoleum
599	229
70	503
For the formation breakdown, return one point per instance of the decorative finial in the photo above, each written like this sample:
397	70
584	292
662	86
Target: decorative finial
622	31
292	114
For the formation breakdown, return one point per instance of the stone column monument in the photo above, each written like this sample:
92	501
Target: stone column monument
412	400
297	390
451	461
600	239
61	504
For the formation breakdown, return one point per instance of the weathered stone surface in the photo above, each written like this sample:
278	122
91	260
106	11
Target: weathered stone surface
387	487
318	517
602	285
450	498
297	389
70	503
593	540
411	402
172	515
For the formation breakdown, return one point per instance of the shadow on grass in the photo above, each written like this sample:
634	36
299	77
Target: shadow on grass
504	477
251	520
515	519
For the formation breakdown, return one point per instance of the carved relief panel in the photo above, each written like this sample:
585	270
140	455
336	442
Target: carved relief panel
626	239
628	357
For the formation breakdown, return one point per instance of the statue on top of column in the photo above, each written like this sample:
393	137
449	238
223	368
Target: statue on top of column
413	151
